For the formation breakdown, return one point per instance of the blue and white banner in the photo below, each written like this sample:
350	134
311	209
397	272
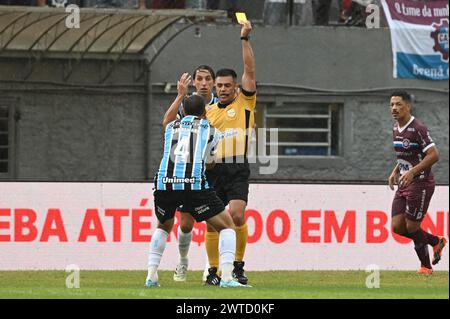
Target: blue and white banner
419	35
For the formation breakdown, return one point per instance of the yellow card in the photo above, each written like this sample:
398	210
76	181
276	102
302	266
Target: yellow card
241	17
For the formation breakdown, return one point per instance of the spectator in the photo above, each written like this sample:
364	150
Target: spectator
40	3
354	12
108	3
168	4
212	4
277	12
196	4
126	4
322	10
231	6
346	4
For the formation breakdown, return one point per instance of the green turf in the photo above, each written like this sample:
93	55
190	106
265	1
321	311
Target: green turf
268	285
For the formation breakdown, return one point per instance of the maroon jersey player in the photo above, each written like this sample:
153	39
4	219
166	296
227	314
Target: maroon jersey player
416	153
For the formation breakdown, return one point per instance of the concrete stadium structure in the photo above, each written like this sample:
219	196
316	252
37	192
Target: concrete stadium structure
99	118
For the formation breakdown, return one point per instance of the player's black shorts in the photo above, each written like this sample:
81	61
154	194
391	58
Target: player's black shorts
230	181
202	205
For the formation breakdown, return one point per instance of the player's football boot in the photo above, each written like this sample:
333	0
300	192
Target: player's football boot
437	250
180	272
239	272
425	271
149	283
212	279
232	284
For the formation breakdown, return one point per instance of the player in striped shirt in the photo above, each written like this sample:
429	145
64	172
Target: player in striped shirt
416	154
189	144
203	81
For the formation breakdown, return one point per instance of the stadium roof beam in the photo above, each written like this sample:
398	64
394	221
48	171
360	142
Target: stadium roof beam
106	34
159	43
96	36
141	31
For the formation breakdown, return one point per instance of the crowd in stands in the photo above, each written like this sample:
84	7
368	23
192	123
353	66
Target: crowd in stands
269	12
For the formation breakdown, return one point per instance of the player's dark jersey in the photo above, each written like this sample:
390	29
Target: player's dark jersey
188	143
214	99
410	144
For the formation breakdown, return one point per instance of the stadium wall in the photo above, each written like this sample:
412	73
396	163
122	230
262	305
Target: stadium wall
83	130
345	65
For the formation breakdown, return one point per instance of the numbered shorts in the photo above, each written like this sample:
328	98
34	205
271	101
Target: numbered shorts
413	201
230	181
202	205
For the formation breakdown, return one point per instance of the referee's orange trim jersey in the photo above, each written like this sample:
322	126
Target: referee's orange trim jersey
236	121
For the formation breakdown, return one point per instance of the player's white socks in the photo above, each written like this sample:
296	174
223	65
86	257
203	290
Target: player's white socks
205	270
157	246
184	241
227	251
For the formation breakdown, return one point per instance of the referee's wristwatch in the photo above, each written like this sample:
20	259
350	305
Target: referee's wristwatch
245	38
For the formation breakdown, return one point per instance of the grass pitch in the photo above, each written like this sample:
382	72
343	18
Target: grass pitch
266	285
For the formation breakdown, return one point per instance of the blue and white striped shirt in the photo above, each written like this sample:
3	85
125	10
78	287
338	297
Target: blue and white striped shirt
189	143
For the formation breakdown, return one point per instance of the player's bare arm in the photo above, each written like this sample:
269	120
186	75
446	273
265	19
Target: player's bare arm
182	88
431	157
393	177
248	77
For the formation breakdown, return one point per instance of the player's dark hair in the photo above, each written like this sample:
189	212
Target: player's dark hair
226	72
404	95
194	105
207	68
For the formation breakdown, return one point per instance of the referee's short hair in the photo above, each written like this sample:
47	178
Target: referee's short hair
194	105
227	72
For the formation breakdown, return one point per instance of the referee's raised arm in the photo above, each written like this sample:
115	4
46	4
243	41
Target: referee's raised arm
248	78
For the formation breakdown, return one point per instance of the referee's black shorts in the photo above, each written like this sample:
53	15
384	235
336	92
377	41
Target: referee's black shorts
202	205
230	181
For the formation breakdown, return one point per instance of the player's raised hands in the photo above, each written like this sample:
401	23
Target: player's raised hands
183	84
246	28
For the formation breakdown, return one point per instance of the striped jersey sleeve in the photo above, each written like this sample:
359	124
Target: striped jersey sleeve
188	143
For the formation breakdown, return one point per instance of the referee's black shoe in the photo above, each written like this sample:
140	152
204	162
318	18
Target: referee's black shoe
239	272
212	279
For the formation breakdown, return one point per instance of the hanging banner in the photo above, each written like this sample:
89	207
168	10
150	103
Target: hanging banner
419	35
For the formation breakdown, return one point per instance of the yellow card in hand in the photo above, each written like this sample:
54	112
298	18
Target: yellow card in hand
241	17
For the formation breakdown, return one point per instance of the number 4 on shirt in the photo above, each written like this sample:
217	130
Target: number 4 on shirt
182	149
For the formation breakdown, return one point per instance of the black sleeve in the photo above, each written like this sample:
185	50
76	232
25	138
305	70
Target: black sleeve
247	93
